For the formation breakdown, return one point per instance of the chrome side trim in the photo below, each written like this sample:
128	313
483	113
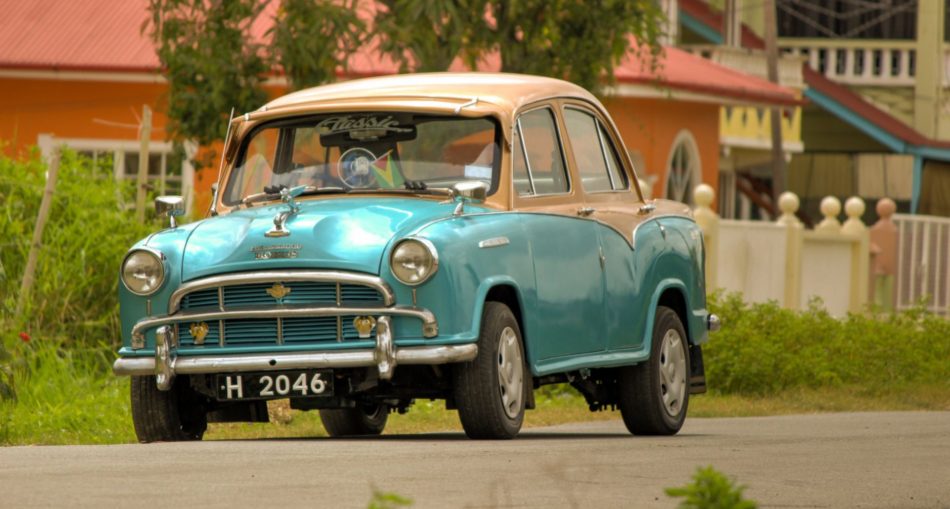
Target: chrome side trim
315	276
494	242
139	366
430	327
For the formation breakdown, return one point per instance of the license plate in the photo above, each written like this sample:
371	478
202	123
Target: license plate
286	384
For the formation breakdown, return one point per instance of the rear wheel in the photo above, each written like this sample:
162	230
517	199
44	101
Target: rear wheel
364	420
490	390
654	395
174	415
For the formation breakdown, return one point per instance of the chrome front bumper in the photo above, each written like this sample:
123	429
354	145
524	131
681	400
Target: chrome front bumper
385	356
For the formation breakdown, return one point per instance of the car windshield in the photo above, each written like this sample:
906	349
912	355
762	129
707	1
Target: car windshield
366	151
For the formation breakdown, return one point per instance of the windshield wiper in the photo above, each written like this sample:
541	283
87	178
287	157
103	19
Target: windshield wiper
273	193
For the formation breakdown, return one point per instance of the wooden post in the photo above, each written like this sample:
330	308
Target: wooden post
771	56
708	222
141	183
26	286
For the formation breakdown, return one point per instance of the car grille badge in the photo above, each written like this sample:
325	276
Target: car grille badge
364	325
278	291
199	331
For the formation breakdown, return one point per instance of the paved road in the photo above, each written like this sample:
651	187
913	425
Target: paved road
830	460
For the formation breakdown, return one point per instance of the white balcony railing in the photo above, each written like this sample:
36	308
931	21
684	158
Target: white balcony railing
859	61
752	62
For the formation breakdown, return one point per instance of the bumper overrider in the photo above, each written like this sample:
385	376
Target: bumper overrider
385	356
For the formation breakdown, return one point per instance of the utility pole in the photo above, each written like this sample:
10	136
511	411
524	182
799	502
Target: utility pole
141	183
771	56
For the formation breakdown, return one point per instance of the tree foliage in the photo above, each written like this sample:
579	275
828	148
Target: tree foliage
211	62
311	38
580	41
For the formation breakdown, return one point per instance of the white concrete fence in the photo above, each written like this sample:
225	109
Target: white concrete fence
785	262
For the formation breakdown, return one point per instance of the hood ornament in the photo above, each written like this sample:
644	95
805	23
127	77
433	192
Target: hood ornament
280	220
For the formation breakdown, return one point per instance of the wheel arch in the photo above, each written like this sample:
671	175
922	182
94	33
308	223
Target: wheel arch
673	294
506	291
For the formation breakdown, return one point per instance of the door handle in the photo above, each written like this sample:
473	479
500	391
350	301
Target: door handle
646	208
585	211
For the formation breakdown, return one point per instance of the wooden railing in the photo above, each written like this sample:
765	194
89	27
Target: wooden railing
859	61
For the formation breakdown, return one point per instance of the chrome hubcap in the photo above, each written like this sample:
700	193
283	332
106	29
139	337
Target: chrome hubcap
672	372
510	372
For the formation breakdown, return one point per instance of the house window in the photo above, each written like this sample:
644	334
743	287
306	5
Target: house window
683	169
168	172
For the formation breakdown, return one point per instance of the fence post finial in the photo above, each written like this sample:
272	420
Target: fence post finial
883	248
788	203
830	208
854	209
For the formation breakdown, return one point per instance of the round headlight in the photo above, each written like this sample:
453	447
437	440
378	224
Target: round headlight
143	272
414	261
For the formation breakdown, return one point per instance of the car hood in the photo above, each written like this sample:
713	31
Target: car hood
327	233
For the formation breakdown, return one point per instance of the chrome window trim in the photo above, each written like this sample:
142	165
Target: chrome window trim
560	145
600	128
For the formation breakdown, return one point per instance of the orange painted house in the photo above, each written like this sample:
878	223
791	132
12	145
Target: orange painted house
79	73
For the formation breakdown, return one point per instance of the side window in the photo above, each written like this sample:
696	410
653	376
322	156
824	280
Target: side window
617	175
596	158
537	140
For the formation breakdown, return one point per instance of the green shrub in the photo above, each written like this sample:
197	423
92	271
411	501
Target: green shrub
711	489
74	293
763	348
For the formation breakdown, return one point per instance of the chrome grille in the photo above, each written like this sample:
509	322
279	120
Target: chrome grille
301	292
263	332
270	331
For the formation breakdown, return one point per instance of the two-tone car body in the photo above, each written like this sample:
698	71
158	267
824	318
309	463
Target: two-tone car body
466	237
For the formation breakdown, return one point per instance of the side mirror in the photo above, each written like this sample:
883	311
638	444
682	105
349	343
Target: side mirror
474	190
171	206
468	190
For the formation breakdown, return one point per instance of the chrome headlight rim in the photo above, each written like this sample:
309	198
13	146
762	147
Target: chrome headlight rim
162	262
433	255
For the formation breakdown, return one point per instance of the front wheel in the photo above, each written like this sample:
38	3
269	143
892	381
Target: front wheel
490	390
174	415
654	395
364	420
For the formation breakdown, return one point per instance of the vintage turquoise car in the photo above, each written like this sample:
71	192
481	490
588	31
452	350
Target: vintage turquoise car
462	237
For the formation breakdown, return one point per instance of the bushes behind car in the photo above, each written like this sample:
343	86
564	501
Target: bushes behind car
763	349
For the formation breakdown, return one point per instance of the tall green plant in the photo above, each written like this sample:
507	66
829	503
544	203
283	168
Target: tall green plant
74	293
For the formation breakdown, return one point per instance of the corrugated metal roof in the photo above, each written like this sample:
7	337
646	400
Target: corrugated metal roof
75	34
680	70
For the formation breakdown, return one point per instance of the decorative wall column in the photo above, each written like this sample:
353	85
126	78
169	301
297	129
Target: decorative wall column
708	222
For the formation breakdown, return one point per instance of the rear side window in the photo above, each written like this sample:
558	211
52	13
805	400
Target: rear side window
594	154
539	167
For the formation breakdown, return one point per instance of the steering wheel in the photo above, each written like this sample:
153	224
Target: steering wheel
356	168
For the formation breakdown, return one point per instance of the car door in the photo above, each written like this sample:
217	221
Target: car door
567	319
610	201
